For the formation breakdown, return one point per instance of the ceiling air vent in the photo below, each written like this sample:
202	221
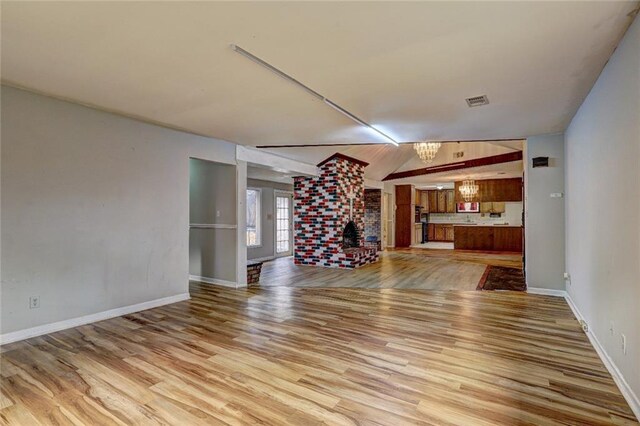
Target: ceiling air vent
477	101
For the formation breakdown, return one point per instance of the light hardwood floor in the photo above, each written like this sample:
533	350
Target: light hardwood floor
306	356
403	268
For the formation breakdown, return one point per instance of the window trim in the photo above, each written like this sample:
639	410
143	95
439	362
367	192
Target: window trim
258	218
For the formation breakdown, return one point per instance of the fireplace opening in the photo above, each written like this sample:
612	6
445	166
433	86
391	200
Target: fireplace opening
350	237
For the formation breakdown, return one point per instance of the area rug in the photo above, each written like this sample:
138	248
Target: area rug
501	278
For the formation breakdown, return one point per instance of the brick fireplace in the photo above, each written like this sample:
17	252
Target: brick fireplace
329	216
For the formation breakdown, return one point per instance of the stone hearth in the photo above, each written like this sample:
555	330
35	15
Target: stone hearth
323	206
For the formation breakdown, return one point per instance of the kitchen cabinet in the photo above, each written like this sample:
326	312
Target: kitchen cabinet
440	232
450	201
424	201
492	207
442	202
448	233
433	201
488	238
405	215
507	239
494	190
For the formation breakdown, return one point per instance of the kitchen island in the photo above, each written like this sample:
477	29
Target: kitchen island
488	237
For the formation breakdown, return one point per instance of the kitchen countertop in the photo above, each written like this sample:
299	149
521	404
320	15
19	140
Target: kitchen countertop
489	225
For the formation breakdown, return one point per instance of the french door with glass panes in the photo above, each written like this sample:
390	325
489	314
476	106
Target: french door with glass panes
284	223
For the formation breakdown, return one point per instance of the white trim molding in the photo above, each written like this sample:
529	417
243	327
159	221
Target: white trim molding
262	259
274	162
546	292
628	393
39	330
215	281
211	226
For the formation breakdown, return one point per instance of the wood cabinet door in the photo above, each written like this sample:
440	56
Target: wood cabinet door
498	207
439	233
424	201
507	239
448	233
433	201
403	195
450	201
431	232
442	202
404	217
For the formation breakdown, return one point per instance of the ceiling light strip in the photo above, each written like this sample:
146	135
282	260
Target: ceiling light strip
309	90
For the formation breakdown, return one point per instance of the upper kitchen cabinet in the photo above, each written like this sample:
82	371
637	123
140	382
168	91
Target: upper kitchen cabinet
492	207
441	201
433	201
494	190
450	201
424	201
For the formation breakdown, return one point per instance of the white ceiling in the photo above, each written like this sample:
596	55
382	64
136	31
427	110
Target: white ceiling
403	66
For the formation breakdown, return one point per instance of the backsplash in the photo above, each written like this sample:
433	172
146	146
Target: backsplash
511	216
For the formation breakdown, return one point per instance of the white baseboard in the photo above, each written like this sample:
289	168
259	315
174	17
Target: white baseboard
215	281
546	291
262	259
16	336
627	392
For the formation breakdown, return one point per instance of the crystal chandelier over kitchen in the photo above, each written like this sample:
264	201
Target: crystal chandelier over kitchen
427	150
468	189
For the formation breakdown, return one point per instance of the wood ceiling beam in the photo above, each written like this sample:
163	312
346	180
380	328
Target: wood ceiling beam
476	162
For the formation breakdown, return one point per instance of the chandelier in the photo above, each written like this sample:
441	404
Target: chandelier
427	150
468	189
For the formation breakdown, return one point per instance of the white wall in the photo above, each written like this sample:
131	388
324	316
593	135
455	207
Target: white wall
95	209
267	220
603	207
544	221
212	251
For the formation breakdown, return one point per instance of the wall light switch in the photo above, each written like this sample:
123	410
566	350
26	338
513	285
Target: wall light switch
624	343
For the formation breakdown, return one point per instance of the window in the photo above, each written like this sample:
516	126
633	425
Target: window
253	217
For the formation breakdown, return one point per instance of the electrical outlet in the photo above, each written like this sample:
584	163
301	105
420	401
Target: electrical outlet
624	343
611	328
585	326
34	302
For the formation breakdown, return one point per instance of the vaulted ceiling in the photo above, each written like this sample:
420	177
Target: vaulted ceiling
405	67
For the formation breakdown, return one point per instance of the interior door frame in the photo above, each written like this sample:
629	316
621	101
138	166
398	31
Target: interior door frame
280	193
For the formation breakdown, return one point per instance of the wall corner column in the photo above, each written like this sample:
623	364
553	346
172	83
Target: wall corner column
241	197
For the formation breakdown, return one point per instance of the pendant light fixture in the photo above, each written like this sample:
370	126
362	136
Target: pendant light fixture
427	150
468	190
